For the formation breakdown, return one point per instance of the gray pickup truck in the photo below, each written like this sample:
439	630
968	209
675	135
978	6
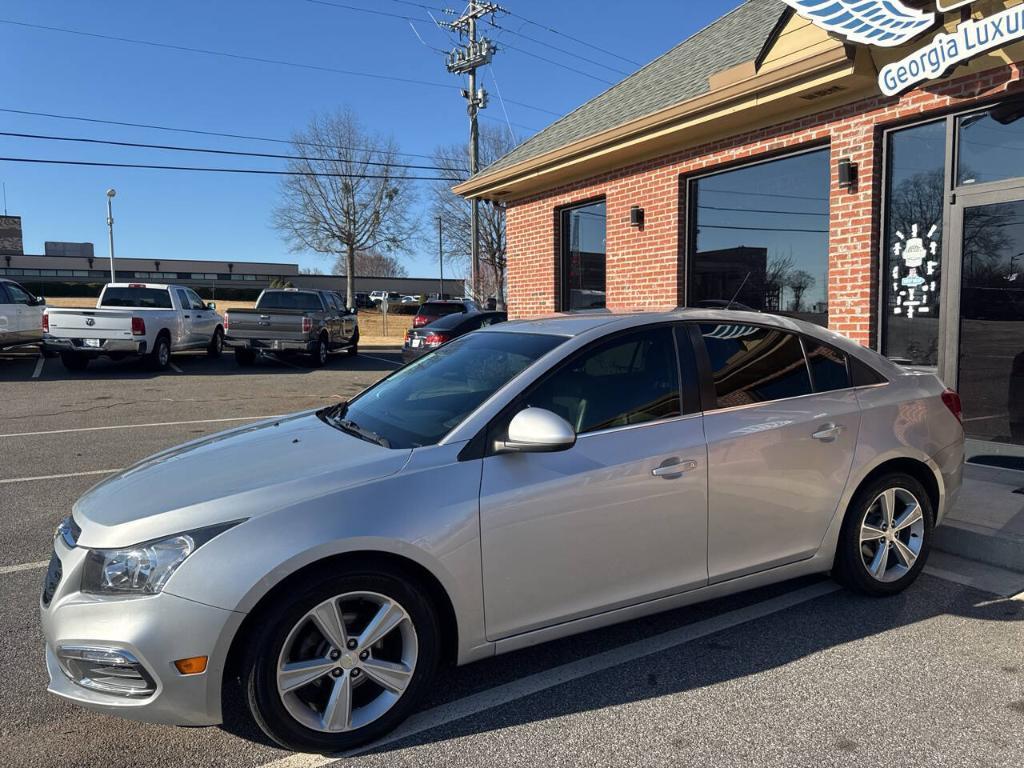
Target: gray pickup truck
290	320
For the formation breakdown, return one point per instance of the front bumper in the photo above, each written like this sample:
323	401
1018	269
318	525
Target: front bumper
107	346
157	630
271	345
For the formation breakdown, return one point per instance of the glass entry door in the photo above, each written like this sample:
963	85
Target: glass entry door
985	330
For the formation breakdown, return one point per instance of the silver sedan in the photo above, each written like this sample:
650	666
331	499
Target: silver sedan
568	473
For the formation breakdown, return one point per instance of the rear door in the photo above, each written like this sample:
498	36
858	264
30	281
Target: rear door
781	428
189	336
618	519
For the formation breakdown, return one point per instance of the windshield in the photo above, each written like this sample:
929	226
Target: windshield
290	300
427	399
140	298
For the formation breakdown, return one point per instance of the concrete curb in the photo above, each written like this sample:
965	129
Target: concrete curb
974	542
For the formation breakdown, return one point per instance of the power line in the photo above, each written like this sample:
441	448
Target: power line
759	210
196	131
227	55
555	63
576	40
205	169
208	150
566	51
763	229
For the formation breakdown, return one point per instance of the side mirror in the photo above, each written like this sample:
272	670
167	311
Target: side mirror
535	430
39	302
211	305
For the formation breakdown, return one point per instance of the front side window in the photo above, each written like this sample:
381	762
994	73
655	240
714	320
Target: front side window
583	257
759	238
750	364
423	402
911	267
18	294
629	380
197	303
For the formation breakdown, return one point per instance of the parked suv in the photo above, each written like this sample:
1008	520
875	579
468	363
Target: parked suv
21	315
570	473
434	310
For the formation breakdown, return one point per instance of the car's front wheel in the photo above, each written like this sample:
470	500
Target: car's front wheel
343	662
886	536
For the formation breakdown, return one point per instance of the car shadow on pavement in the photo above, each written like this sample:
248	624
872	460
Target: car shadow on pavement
747	650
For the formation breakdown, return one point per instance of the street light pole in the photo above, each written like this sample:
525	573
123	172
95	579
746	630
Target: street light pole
110	231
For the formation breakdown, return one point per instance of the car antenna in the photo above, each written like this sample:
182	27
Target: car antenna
737	294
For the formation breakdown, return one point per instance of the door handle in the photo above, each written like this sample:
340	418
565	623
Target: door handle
673	468
188	317
828	432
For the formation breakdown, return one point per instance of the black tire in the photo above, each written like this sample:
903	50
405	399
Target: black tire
160	358
318	359
851	569
216	346
73	361
260	664
245	357
353	350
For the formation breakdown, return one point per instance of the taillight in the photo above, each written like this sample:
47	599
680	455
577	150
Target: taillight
435	339
952	401
227	321
138	326
46	323
307	324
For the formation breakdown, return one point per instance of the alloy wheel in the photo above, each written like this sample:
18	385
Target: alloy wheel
347	662
164	355
892	534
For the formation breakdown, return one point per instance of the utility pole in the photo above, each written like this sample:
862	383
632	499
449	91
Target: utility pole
110	231
440	255
465	60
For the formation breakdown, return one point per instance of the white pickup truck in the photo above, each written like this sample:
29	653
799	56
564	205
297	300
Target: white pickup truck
134	320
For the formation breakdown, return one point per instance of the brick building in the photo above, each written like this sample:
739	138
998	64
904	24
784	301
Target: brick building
760	162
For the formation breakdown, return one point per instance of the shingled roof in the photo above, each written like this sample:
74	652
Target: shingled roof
675	77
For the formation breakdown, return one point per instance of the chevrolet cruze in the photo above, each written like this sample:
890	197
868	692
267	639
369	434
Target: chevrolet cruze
569	473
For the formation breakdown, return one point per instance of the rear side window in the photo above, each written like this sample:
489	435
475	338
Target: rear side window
864	375
750	364
828	367
309	302
435	309
139	298
628	380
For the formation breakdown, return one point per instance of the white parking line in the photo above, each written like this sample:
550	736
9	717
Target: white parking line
174	367
39	367
574	670
5	569
381	359
139	426
10	480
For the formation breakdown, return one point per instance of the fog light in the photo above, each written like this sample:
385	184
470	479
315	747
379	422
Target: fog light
107	670
195	665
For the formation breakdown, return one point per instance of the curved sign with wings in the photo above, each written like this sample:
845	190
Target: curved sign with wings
890	23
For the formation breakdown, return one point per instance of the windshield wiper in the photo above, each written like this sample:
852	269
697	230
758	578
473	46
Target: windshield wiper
334	416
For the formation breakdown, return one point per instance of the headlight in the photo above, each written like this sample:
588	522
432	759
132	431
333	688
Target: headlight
145	568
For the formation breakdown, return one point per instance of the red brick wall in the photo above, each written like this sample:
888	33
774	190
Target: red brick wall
644	266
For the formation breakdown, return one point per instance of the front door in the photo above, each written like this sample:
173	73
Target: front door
618	519
985	356
188	335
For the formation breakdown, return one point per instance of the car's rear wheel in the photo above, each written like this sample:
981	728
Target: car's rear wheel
886	536
74	361
353	349
245	357
160	357
343	662
320	352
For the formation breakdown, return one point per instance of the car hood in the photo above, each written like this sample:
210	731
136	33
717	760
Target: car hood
233	475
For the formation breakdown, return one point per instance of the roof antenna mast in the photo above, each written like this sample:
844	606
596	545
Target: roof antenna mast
737	294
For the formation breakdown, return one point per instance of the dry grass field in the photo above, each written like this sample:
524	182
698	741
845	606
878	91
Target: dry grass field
371	326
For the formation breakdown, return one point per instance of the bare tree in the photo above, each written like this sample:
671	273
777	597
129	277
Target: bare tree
310	271
455	214
343	197
372	264
800	282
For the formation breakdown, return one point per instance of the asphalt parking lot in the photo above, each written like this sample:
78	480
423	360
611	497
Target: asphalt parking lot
800	673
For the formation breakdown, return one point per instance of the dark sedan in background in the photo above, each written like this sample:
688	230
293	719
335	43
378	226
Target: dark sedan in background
419	341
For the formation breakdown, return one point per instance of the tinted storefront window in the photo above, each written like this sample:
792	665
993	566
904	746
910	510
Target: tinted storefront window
990	145
760	237
583	257
912	284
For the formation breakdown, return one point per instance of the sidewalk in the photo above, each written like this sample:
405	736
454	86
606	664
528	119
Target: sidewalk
987	523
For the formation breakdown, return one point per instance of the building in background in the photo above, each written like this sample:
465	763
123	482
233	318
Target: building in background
68	249
11	243
85	275
872	182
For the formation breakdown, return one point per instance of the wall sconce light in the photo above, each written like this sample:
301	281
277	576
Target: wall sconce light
847	174
636	217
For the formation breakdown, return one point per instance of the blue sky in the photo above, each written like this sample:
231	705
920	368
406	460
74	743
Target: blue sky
162	214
